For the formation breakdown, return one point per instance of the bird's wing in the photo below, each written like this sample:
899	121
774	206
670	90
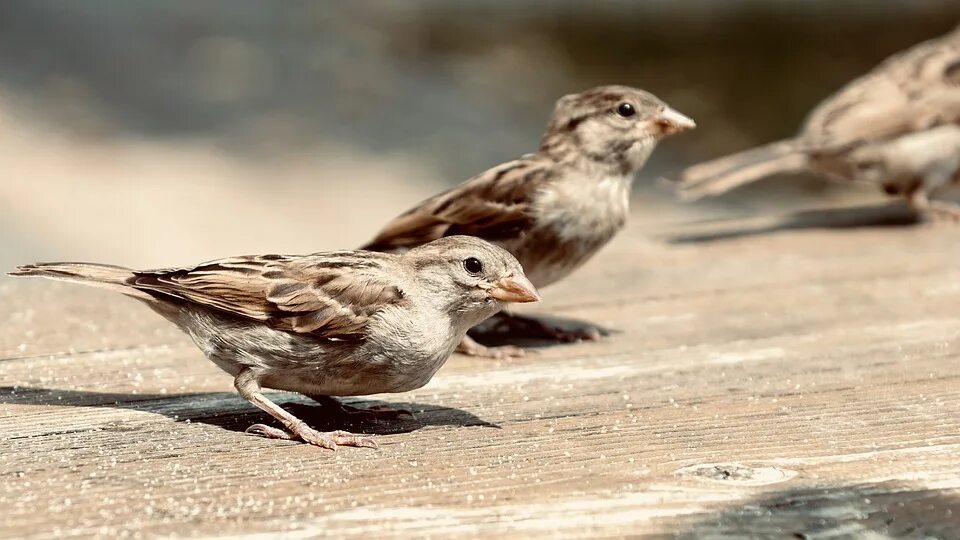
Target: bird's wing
329	295
494	205
911	91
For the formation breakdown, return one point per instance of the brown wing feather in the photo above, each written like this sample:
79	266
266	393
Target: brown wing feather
913	90
331	295
492	205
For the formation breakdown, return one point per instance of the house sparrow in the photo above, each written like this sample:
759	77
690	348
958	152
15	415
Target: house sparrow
555	208
910	92
340	323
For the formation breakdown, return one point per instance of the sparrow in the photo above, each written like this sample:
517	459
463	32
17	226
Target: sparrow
911	92
555	208
339	323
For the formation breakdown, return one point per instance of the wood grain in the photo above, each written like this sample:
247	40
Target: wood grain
762	379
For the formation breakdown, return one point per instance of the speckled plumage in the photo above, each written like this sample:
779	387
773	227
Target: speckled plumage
909	93
555	208
330	324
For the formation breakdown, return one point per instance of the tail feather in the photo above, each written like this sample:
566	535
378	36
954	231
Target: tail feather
723	174
99	275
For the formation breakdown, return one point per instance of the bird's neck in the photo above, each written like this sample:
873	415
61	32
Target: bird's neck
601	170
461	313
579	157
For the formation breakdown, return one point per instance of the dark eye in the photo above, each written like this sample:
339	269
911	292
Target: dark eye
626	110
473	265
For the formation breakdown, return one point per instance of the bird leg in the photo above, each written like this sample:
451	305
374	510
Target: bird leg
470	347
370	414
935	210
247	383
945	211
532	327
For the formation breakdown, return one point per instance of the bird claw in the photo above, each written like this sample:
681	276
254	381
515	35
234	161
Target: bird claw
330	440
587	333
344	438
941	211
263	430
472	348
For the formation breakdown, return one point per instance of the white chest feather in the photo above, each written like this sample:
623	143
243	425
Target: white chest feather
579	207
411	345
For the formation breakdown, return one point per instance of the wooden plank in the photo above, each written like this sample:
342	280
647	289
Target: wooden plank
795	381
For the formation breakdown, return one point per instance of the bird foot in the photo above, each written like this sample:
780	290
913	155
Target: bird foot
570	335
329	440
933	210
470	347
942	211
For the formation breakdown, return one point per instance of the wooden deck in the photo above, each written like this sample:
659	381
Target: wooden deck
793	379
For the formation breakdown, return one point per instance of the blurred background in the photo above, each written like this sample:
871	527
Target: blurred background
159	133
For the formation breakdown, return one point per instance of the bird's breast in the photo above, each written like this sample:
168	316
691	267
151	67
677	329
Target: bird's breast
579	207
409	346
573	219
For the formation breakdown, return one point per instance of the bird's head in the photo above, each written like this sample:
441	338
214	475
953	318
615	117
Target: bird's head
470	278
615	127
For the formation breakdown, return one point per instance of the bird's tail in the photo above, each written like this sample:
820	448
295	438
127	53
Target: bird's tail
723	174
116	278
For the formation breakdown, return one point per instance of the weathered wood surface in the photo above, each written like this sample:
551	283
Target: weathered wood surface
781	381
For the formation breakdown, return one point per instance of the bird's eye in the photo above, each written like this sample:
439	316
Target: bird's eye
626	109
472	265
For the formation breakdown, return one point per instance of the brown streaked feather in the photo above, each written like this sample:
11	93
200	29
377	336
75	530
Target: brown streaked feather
493	205
912	90
329	295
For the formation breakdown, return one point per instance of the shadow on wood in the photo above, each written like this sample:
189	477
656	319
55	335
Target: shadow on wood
536	331
881	510
883	215
230	411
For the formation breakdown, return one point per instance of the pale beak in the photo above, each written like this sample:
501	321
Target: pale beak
672	121
514	288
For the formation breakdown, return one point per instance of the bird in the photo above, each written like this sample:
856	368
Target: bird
338	323
555	208
911	92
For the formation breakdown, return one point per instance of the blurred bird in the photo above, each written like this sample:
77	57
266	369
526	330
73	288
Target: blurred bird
909	93
555	208
339	323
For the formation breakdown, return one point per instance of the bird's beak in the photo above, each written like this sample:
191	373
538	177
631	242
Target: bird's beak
514	288
671	121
